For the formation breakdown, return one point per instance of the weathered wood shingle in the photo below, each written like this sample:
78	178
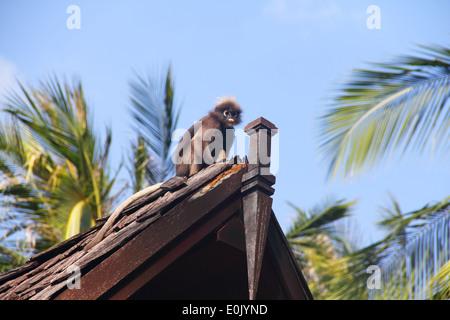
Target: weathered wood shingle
45	274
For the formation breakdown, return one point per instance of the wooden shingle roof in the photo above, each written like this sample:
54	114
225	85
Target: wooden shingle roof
197	238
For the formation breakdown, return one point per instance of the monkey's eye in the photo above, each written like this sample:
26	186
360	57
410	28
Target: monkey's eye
227	113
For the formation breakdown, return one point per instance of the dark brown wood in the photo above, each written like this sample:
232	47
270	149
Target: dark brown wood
172	198
211	270
174	183
64	245
256	207
142	201
182	245
288	269
16	273
260	123
233	233
257	204
260	132
137	250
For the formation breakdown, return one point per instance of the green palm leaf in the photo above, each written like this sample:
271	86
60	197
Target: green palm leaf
156	117
319	220
394	106
439	285
418	249
316	244
80	218
414	251
140	159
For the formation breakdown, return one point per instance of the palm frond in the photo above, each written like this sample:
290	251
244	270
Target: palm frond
392	106
408	257
10	259
439	285
140	159
420	250
315	243
318	220
156	115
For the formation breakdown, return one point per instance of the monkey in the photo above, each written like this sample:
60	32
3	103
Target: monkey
208	140
210	133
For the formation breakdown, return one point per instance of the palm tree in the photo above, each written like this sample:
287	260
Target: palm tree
393	106
317	244
55	177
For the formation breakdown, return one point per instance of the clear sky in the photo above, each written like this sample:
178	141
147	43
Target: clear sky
279	58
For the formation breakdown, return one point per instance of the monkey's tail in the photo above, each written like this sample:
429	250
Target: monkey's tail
113	217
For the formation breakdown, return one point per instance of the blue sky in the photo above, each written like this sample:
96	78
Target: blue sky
279	58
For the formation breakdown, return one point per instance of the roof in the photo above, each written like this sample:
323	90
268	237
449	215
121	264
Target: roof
212	236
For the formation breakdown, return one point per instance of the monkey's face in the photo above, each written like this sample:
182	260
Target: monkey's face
231	118
229	115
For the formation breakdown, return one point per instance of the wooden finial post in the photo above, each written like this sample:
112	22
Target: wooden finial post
257	203
260	131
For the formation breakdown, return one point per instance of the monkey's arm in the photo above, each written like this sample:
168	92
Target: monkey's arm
112	218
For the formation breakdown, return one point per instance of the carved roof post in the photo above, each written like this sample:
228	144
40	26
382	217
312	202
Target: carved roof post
256	200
